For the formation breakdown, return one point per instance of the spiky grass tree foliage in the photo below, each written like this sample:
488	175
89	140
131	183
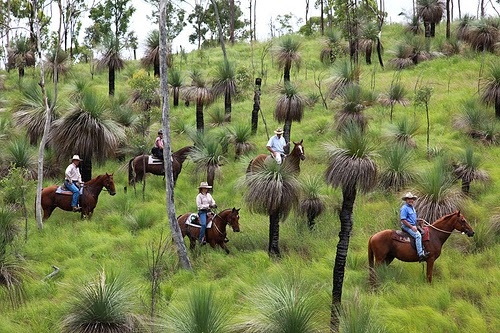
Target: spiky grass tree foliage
396	95
21	55
217	116
419	49
402	56
283	307
343	75
105	305
272	190
87	129
311	203
403	132
490	134
59	60
208	157
202	312
491	87
9	227
175	81
437	192
352	104
472	118
397	167
12	275
200	92
152	56
224	84
414	25
350	167
431	12
22	155
29	110
463	28
111	60
483	35
369	33
332	46
289	107
287	53
76	87
52	168
240	135
468	169
356	315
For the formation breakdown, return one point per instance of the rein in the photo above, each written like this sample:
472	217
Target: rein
433	227
215	224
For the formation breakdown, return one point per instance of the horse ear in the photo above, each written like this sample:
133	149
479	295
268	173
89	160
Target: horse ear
238	209
458	213
301	141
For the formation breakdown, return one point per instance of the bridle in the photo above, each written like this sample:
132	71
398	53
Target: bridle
215	224
444	231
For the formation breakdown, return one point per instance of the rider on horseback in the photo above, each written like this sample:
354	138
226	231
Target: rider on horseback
157	150
276	145
72	179
204	202
408	217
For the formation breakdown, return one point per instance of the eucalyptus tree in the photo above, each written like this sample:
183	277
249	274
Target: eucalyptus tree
467	169
350	167
224	83
289	107
491	87
431	12
111	60
287	53
112	17
200	92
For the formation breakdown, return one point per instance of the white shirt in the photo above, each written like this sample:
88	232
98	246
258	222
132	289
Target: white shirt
204	201
73	173
277	144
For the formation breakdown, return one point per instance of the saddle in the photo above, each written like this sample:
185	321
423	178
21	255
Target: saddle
404	237
194	220
64	191
154	160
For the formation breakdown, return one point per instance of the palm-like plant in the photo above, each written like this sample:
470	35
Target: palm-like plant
351	167
175	81
208	157
289	107
152	57
272	190
332	46
12	275
60	61
113	61
105	305
21	154
431	12
403	132
397	168
437	193
472	118
343	76
29	110
414	26
199	92
21	55
239	136
352	105
468	169
463	29
483	35
225	84
287	53
202	313
369	35
395	95
491	87
402	56
87	129
312	201
9	228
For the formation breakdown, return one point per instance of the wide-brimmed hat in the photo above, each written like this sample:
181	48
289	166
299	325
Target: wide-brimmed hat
409	195
278	131
204	185
160	131
76	157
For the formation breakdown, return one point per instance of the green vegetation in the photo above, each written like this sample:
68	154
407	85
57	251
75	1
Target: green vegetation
115	245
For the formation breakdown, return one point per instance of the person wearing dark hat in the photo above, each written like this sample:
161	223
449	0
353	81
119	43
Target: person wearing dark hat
276	145
204	202
72	179
408	217
157	150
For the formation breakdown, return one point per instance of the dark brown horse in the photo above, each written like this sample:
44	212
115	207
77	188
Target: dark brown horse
88	200
136	166
216	235
384	249
292	160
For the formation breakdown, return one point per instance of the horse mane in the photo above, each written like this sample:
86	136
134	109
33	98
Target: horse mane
445	217
181	154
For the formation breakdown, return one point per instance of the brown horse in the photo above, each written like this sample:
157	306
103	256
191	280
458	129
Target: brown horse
136	166
292	160
88	200
385	249
216	235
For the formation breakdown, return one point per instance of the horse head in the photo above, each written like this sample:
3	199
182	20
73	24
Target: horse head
233	219
109	184
462	225
298	150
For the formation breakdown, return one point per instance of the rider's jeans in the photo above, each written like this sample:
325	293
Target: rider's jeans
277	157
203	222
76	192
418	239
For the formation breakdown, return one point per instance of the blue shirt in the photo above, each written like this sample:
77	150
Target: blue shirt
277	144
409	214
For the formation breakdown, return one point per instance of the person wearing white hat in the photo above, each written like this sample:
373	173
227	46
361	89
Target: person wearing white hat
408	217
204	202
276	145
72	178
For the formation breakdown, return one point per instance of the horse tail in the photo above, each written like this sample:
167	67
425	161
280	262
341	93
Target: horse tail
130	171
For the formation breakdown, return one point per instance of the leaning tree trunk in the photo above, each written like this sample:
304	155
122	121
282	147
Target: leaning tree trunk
169	178
274	234
349	196
111	79
227	105
200	127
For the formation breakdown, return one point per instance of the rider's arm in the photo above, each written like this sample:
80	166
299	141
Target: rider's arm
270	149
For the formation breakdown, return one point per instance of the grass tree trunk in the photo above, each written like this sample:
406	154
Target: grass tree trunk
274	234
368	55
156	69
200	127
227	105
169	175
349	196
287	129
86	168
433	29
497	108
448	22
465	186
211	176
255	110
427	27
176	96
286	73
111	79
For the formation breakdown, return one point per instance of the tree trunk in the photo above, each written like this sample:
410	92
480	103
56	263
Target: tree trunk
433	29
231	21
156	69
86	168
200	127
219	27
255	110
322	18
111	78
274	235
448	21
465	186
368	54
287	129
428	130
227	106
459	10
427	27
255	20
497	108
211	176
349	196
286	73
169	175
379	52
176	96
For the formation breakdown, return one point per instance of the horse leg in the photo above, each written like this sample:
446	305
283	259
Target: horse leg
430	265
47	211
224	247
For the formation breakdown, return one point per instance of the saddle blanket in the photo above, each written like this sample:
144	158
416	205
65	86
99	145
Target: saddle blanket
194	217
154	160
404	237
64	191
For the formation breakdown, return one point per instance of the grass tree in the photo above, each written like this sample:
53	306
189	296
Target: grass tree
350	167
472	118
224	83
21	55
352	104
332	46
403	132
397	167
21	155
437	192
13	273
200	92
343	75
272	190
413	25
175	81
431	12
402	56
208	157
468	169
423	97
152	57
395	95
369	33
105	305
484	35
87	129
57	63
311	202
491	87
287	53
239	136
113	61
289	107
